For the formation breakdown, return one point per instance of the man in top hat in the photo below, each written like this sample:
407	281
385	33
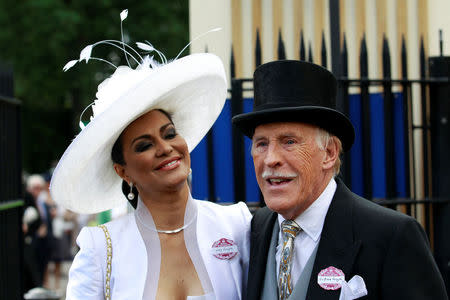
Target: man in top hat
316	239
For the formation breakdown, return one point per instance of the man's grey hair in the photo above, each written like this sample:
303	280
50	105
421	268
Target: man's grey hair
323	137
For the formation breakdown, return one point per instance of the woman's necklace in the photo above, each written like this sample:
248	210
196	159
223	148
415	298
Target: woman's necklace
166	231
175	230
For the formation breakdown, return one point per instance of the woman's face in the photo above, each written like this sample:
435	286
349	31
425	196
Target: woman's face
156	157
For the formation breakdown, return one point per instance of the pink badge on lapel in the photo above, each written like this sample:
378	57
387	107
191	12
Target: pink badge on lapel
330	278
224	249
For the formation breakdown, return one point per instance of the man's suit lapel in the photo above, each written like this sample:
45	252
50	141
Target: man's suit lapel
337	246
262	226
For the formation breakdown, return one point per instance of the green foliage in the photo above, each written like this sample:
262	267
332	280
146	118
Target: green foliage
39	37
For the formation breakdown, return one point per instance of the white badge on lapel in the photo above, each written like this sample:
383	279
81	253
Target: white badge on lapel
224	249
333	278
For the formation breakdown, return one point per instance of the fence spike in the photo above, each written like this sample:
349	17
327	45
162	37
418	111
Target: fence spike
386	58
404	57
425	136
407	116
365	125
423	60
324	51
302	47
257	49
310	54
281	52
363	58
232	64
344	56
389	147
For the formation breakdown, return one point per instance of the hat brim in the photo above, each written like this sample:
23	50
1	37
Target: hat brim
192	89
328	119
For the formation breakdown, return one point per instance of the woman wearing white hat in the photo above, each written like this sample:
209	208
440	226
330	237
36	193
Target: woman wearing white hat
145	122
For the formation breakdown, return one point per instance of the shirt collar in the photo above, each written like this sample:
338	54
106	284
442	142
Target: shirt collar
312	219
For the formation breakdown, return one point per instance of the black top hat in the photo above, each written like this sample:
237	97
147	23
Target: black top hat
296	91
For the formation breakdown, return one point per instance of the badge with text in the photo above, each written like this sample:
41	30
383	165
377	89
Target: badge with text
224	249
330	278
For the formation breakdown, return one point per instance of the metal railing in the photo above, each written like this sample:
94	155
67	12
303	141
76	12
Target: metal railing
11	255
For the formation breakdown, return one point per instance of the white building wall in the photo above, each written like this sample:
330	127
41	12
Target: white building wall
205	15
438	18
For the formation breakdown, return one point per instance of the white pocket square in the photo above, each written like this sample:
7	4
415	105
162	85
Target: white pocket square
353	289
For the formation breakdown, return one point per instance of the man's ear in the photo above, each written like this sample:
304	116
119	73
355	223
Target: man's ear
331	154
120	170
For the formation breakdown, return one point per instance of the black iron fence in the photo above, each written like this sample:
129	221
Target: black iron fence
10	190
401	158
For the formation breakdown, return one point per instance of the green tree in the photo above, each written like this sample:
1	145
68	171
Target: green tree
38	37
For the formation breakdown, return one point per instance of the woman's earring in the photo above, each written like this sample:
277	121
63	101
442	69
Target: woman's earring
130	195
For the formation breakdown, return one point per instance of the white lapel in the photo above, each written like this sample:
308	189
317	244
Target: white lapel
129	262
225	275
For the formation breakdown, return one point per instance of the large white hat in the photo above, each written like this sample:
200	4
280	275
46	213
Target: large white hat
192	89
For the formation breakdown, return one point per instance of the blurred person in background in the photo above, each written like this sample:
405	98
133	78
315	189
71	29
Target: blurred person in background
47	212
31	224
37	230
61	222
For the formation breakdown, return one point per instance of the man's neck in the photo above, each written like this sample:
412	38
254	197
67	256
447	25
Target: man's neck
315	195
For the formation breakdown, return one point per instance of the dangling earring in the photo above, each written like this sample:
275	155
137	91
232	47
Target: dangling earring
130	195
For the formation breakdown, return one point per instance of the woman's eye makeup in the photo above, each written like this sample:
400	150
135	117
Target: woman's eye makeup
170	133
146	141
142	146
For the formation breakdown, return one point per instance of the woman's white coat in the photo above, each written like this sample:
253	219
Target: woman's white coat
129	262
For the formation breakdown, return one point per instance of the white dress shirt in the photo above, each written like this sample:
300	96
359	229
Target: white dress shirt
311	222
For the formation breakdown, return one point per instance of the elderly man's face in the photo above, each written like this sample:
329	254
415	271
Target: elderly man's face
291	169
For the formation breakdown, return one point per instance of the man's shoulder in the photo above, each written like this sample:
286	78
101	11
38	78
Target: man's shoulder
263	213
367	208
262	217
376	226
371	218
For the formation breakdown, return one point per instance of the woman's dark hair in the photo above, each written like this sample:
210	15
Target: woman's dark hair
117	158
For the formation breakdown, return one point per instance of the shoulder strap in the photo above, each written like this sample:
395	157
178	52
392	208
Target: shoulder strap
108	261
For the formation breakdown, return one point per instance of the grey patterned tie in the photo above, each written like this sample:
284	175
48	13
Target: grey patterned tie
289	230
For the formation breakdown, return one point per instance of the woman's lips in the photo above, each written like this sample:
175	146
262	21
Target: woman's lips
169	164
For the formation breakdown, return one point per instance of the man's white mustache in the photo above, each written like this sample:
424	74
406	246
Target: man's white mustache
274	174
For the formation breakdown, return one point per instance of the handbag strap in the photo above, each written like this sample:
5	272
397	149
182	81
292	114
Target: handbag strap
108	261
